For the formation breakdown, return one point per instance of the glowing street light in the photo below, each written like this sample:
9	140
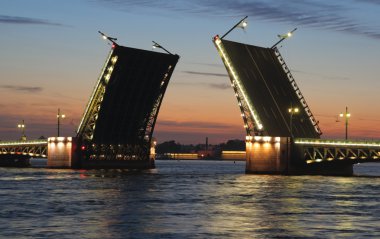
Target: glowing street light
111	39
346	115
22	127
59	116
243	23
292	111
156	45
283	37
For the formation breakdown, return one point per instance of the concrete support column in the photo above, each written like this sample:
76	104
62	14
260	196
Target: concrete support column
267	155
61	152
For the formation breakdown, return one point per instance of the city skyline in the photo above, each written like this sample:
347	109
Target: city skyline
52	55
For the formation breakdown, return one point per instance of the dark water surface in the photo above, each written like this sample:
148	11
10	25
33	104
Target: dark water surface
187	199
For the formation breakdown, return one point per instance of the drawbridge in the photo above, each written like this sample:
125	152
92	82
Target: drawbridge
282	134
118	123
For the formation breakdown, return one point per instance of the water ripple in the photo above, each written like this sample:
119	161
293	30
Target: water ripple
186	199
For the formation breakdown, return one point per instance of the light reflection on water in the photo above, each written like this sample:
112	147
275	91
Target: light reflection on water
187	199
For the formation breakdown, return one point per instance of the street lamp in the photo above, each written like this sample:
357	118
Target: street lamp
242	24
156	45
59	117
22	127
292	111
283	37
111	39
346	115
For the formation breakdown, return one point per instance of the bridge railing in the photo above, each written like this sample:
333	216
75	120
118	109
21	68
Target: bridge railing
347	143
297	90
252	122
23	143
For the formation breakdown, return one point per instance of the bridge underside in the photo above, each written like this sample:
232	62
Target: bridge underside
117	126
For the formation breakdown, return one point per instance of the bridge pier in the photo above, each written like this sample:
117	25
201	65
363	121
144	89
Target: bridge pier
61	152
267	155
278	155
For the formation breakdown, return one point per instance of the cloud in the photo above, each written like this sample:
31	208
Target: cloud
207	64
375	2
220	86
27	89
328	15
205	73
26	21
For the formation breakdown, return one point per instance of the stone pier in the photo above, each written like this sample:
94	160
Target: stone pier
61	152
267	155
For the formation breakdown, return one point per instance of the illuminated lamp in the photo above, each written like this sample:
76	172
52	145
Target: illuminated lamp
267	138
257	138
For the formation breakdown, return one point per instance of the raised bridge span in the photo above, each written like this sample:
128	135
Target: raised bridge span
282	134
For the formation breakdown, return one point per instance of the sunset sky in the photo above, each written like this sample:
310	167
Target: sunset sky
51	55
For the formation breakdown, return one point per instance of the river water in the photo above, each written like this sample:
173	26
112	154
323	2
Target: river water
187	199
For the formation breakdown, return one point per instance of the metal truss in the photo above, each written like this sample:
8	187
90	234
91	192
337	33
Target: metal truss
249	123
150	121
115	152
297	90
316	154
87	125
316	151
35	148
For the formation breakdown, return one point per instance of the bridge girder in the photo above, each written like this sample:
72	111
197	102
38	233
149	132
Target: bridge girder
87	125
319	151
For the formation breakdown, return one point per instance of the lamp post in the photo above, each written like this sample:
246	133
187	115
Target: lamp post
59	117
111	39
346	115
283	37
292	111
156	45
22	127
242	24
